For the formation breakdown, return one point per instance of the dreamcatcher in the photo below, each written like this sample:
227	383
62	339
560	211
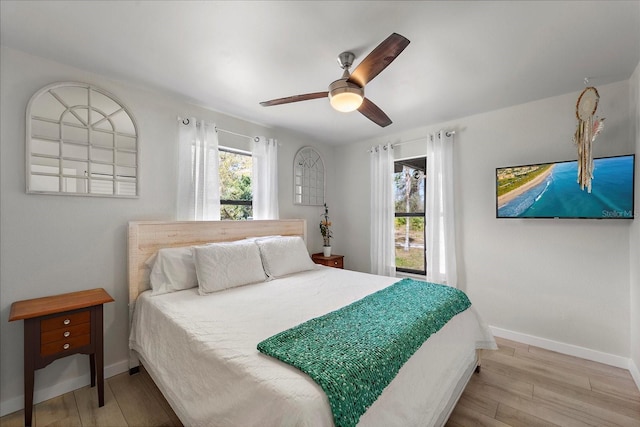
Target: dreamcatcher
588	129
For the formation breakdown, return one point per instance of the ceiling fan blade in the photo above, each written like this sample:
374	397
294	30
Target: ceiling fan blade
378	59
295	98
372	112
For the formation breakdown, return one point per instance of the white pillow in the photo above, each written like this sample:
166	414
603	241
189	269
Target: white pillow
284	255
221	266
173	270
254	238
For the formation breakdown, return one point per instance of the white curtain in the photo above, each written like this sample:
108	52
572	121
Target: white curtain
264	182
198	175
382	249
440	218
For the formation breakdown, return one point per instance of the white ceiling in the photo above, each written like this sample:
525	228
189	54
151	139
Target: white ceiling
465	57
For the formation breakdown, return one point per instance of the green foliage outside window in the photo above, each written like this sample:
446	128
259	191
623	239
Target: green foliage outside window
415	223
235	185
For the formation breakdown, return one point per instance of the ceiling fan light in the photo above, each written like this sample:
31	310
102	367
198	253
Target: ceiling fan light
346	101
344	96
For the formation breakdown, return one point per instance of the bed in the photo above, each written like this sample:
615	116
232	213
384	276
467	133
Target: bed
201	350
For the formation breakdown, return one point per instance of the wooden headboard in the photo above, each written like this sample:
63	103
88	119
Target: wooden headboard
147	237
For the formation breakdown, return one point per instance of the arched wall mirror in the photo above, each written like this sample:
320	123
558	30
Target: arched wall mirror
81	141
308	178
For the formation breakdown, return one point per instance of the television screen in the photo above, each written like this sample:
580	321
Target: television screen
551	190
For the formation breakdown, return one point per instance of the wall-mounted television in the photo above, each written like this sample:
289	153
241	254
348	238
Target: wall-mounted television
551	190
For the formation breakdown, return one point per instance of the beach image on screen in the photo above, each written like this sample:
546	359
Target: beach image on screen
551	190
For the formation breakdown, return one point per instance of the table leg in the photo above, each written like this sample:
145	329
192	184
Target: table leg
99	355
31	340
92	366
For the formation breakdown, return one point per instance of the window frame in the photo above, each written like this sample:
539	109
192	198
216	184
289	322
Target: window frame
236	202
422	214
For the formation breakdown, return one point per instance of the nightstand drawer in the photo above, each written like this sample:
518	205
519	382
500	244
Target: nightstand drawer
69	344
65	333
65	321
335	261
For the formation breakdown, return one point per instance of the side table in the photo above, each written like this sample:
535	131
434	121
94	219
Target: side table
59	326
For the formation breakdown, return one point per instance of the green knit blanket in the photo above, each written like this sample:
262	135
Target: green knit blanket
353	353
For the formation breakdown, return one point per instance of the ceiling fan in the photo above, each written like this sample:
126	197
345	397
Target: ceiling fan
347	93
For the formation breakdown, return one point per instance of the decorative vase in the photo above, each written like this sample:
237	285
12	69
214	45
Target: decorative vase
327	250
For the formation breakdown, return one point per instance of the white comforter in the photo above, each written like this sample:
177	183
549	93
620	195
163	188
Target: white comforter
202	353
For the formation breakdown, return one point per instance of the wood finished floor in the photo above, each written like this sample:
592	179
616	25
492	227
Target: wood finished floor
519	385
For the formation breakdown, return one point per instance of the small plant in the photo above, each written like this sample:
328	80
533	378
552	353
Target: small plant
325	225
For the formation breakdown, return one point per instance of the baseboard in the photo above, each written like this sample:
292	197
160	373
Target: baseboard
40	395
569	349
635	373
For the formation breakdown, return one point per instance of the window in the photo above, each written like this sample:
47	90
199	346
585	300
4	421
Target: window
235	184
409	187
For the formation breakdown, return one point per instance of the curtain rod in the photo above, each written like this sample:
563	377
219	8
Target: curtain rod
255	138
185	121
448	133
397	144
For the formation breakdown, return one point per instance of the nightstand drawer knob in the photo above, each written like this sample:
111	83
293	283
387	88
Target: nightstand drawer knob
67	321
66	346
66	334
335	263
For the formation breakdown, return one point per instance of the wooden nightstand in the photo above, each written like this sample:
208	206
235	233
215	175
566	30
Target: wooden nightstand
336	261
59	326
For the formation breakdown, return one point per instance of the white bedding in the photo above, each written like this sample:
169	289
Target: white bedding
201	351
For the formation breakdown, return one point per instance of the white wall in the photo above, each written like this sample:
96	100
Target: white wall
286	153
56	244
562	280
634	253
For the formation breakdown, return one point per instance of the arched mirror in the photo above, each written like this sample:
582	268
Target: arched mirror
82	141
308	178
